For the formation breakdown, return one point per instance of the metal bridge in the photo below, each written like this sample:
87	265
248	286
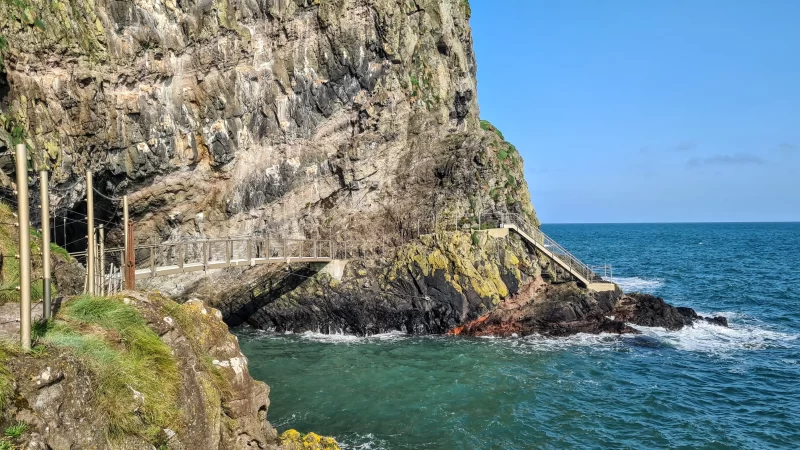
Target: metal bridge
199	254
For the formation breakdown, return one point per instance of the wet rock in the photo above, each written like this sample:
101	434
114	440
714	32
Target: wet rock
648	310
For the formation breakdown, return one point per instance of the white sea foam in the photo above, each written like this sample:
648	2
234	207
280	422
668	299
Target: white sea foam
636	284
341	338
708	338
362	442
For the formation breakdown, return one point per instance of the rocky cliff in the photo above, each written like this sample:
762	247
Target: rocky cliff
136	372
235	116
351	119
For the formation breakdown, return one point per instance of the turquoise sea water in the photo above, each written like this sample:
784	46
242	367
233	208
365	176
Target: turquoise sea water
701	387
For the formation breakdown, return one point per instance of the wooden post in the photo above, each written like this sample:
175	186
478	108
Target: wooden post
206	246
45	200
102	269
130	259
23	214
90	250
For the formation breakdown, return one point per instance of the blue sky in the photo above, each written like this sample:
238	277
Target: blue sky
647	111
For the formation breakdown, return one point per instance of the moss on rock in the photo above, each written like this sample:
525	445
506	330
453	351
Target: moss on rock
294	440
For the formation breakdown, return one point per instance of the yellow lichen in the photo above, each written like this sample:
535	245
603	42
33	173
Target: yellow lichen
294	440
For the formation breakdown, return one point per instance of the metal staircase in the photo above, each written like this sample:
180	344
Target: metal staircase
553	250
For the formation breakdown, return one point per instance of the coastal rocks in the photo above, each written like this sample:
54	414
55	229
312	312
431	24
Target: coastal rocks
62	391
294	440
427	286
650	311
549	310
565	309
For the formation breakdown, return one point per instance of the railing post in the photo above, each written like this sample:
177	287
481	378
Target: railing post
45	203
102	268
250	252
315	249
180	255
206	246
268	249
90	256
23	214
153	261
130	259
228	251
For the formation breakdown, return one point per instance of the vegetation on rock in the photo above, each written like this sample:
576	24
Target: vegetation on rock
9	264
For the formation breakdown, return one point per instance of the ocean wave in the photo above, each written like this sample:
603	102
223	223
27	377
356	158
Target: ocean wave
636	284
355	441
341	338
707	338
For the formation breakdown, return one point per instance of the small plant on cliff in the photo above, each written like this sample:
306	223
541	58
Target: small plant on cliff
16	431
487	126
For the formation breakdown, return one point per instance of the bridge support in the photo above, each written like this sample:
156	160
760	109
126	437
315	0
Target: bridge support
334	268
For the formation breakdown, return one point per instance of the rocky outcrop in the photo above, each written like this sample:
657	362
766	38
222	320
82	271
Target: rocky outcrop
135	372
565	309
429	285
648	310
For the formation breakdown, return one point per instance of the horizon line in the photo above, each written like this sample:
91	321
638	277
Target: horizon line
672	223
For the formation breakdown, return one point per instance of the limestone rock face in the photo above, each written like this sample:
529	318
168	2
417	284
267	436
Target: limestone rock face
216	117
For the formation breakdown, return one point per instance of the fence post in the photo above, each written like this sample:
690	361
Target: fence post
130	259
102	271
45	200
250	252
24	248
90	249
205	245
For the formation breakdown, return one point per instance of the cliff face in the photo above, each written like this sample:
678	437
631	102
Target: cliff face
356	119
233	116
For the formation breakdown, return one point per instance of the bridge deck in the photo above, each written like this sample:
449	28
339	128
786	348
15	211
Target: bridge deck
157	271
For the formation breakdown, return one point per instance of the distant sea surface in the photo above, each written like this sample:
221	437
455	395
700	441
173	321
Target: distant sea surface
702	387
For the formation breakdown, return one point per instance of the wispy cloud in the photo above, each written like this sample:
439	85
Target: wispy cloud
736	159
788	149
686	146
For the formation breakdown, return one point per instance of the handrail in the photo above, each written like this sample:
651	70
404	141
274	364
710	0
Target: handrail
257	247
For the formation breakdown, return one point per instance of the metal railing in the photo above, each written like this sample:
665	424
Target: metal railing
567	259
192	254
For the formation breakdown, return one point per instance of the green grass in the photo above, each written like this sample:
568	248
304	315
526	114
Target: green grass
6	445
16	431
7	350
126	356
9	246
487	126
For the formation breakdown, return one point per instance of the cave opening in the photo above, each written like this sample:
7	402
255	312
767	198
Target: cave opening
69	227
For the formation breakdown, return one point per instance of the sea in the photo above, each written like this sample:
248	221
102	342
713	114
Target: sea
703	387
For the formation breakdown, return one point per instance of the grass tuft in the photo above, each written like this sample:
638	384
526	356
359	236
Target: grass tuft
138	376
7	350
16	431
